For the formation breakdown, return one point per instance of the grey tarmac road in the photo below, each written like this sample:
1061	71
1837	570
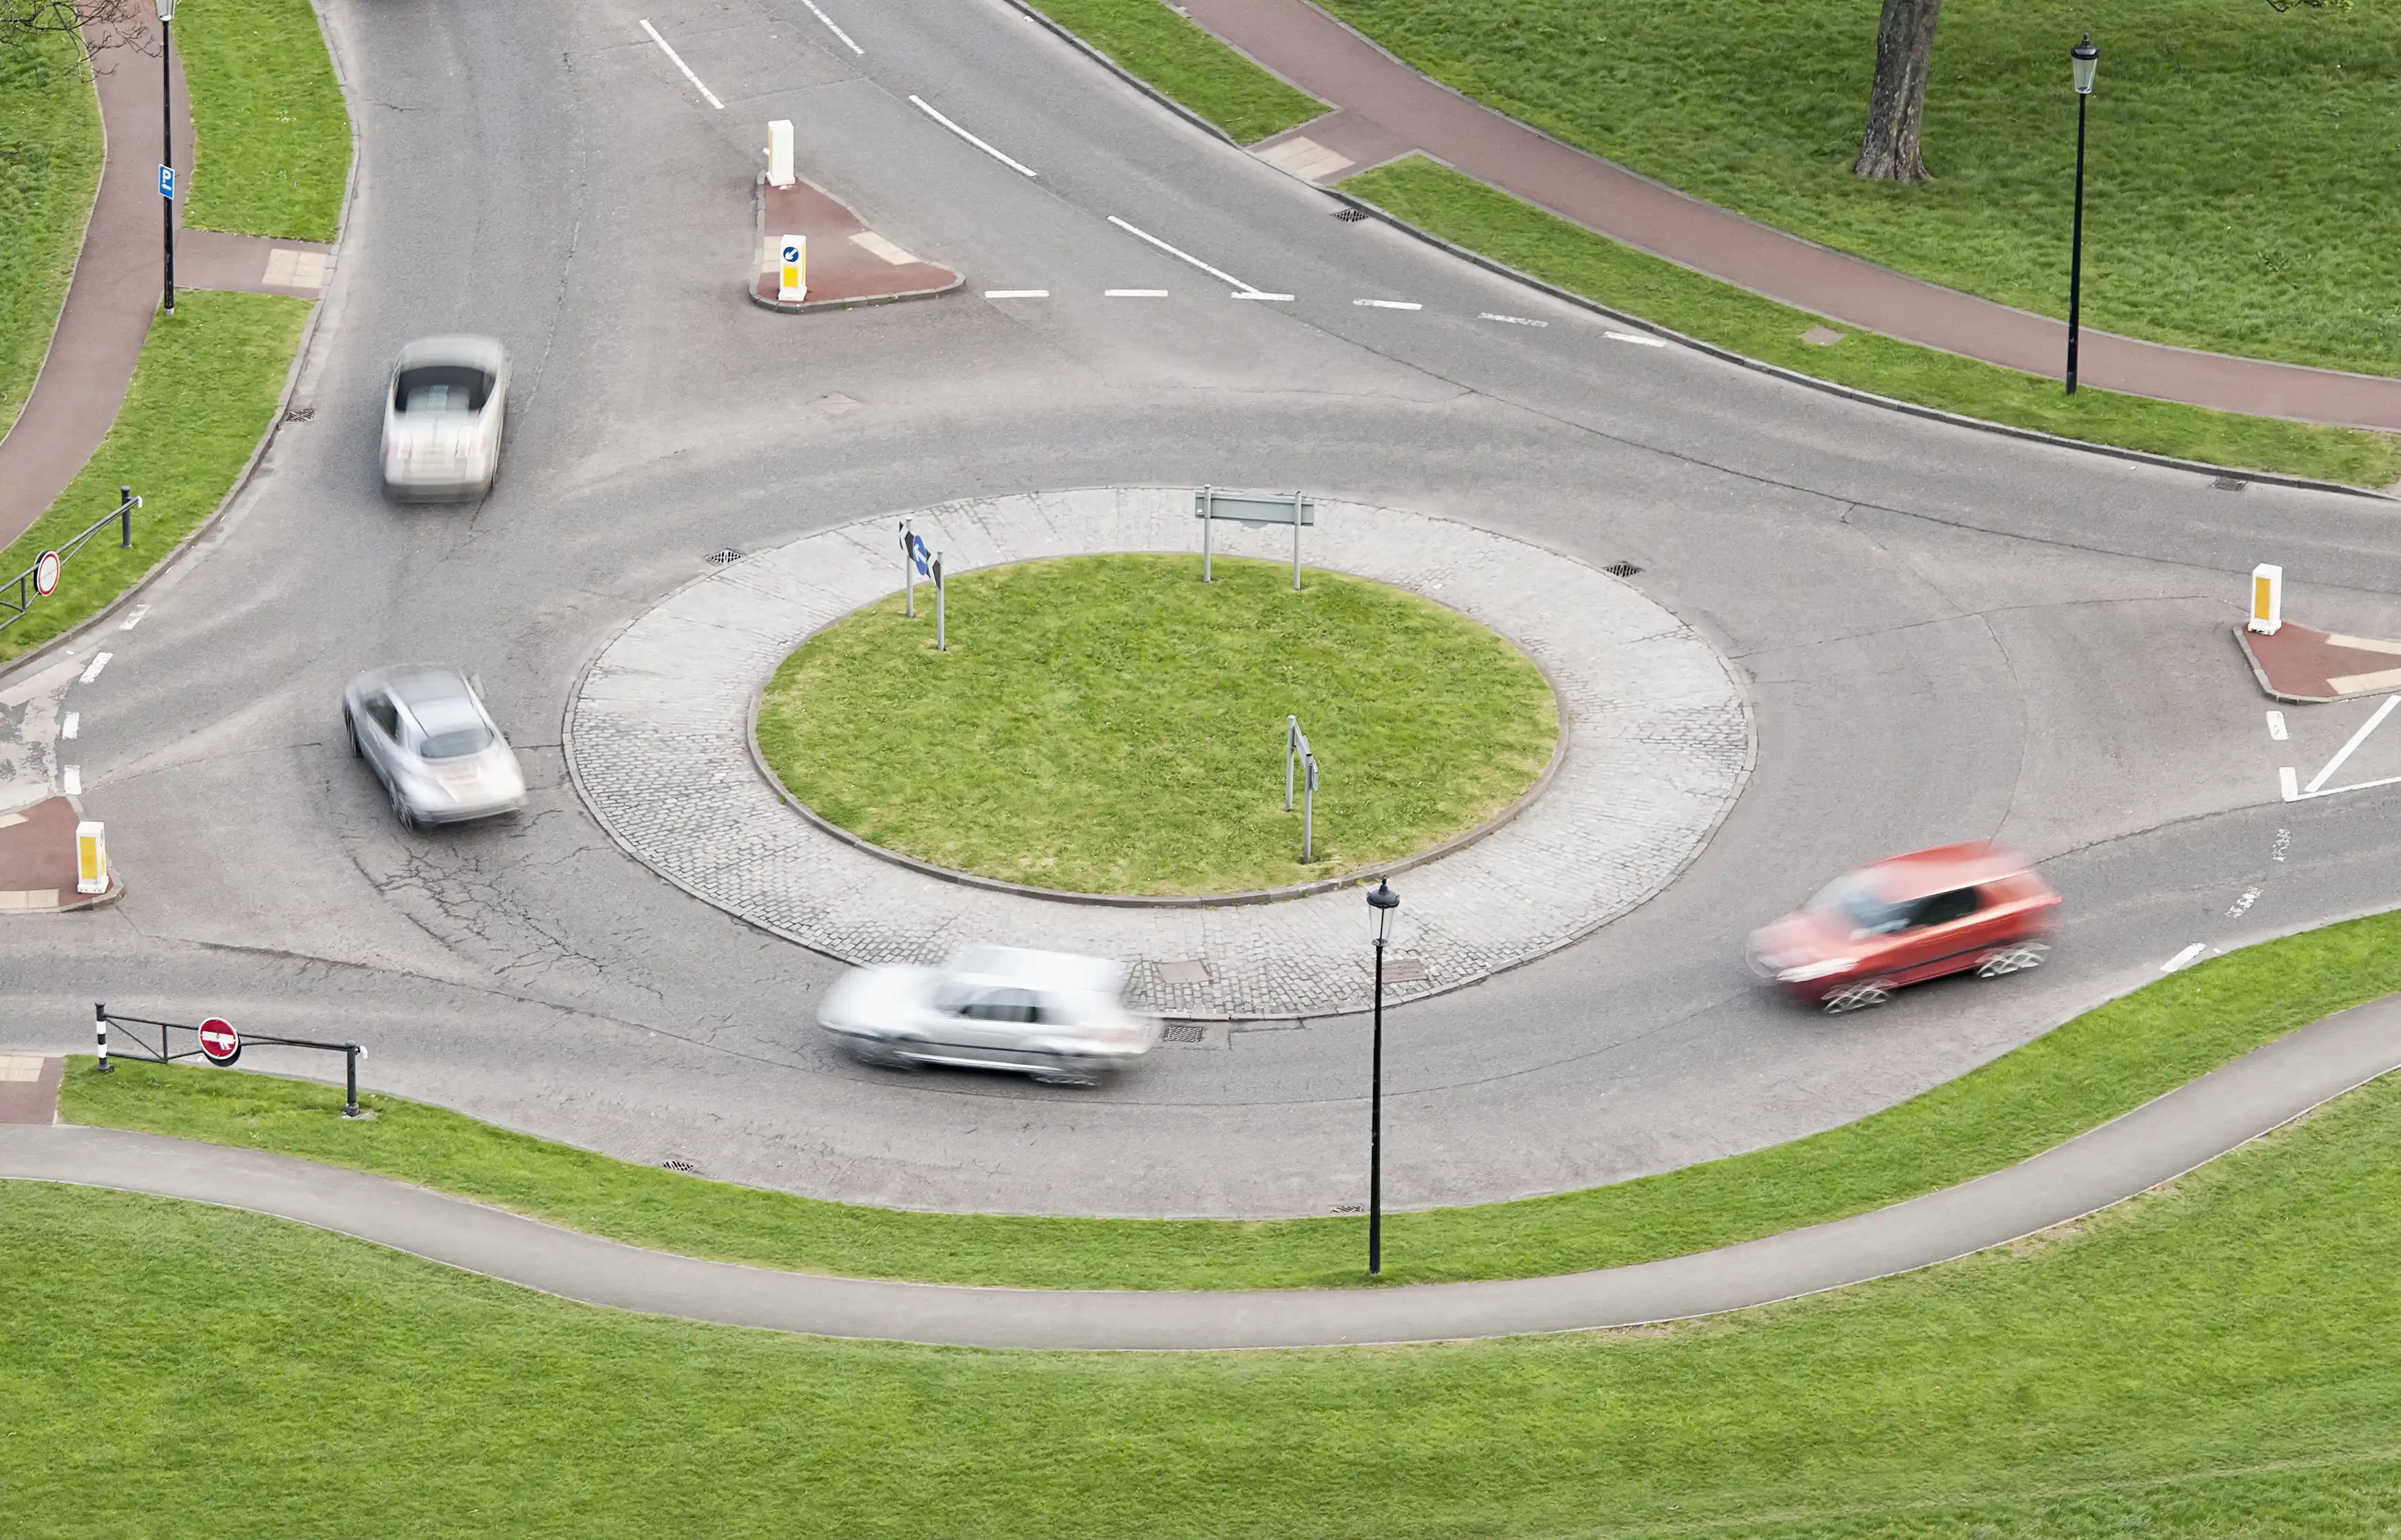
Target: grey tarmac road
1946	635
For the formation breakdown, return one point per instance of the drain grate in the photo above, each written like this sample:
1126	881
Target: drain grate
726	558
1184	1032
1350	216
677	1162
2230	483
299	414
1621	569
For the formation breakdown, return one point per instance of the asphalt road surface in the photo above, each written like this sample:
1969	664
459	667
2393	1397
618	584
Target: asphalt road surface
1946	635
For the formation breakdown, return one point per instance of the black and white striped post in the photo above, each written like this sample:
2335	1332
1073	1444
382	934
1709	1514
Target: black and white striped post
100	1028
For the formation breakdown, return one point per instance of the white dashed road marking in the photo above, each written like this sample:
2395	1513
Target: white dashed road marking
1253	294
1389	304
686	68
2276	726
1629	337
2184	958
1512	319
135	618
830	27
71	780
71	724
99	662
1217	273
1018	166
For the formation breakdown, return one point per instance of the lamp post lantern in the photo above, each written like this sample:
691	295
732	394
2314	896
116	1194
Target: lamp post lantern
2083	59
1381	901
167	150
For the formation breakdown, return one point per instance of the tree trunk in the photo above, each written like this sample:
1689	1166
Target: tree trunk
1888	150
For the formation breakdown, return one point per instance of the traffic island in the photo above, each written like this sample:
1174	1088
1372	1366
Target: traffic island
846	264
38	865
2309	668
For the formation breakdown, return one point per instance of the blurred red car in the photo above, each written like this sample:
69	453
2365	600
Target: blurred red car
1913	917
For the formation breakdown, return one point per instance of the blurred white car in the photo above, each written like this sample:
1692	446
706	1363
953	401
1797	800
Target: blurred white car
1059	1018
439	754
443	414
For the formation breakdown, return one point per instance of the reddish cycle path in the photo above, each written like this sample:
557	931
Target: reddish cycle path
1386	109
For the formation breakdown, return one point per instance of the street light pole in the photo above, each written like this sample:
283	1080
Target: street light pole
2082	60
167	153
1382	900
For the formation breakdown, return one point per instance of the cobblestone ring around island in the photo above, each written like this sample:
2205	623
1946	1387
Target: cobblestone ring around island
1659	745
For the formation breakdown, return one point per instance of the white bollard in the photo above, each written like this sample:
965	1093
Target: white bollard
779	153
91	859
2267	599
793	285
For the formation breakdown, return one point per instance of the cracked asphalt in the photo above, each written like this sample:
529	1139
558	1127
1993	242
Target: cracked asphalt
1944	635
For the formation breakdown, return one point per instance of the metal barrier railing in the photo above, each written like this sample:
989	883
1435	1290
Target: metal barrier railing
211	1040
43	575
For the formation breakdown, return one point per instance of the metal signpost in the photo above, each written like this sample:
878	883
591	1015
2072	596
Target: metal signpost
941	641
42	577
1295	752
220	1044
1253	510
167	136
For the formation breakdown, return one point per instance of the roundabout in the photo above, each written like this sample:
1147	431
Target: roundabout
1653	745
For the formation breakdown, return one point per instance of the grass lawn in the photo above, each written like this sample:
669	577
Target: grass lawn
2239	171
1150	41
1469	213
49	167
202	392
2224	1360
1113	724
274	139
2102	1063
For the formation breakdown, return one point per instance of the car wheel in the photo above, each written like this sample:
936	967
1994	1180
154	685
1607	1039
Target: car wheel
401	810
350	731
882	1054
2012	959
1064	1071
1857	996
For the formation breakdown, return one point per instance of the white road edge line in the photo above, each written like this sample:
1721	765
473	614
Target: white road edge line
836	31
1017	293
135	618
2184	958
1134	293
686	68
1223	277
1255	294
2370	725
1389	304
1640	341
927	108
71	724
91	671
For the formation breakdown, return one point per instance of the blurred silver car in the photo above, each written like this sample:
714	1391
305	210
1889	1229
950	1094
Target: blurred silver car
1059	1018
437	752
443	413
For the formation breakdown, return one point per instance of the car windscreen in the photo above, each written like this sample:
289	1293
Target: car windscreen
456	742
441	388
1868	915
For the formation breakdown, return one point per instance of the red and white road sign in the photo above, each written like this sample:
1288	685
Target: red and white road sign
46	573
220	1041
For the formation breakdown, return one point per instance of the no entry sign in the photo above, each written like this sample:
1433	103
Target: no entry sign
220	1041
46	573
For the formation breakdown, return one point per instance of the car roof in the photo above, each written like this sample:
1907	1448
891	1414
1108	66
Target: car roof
475	353
1023	968
1943	867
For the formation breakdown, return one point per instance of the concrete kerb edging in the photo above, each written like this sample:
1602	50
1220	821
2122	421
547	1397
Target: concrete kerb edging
1137	82
1463	948
1372	872
300	359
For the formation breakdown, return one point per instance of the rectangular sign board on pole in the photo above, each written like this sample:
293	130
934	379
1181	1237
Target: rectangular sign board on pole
793	284
1252	510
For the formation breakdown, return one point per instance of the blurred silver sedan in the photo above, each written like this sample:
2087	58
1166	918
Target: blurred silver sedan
425	732
1059	1018
443	414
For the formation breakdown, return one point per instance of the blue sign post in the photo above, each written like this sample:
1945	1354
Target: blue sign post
165	181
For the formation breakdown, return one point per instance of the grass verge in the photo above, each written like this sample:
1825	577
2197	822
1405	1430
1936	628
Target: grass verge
203	391
2216	1361
1113	724
2240	158
273	138
49	169
1156	45
1469	213
2103	1063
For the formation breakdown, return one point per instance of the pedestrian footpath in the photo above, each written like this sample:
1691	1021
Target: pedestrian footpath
2153	1144
1386	109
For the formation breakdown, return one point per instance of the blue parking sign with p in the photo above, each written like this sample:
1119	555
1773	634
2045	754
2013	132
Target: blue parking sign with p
165	181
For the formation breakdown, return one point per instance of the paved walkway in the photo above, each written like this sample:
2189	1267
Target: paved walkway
2148	1146
1388	109
119	279
1658	744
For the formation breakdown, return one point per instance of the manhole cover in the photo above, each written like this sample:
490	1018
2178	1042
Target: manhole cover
1187	971
1184	1032
2230	483
1621	569
726	558
1350	216
1405	970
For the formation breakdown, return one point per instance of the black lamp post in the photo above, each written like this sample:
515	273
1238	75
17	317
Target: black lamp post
2082	61
167	155
1382	900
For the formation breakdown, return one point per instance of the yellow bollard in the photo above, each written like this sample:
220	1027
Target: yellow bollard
2267	599
91	859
